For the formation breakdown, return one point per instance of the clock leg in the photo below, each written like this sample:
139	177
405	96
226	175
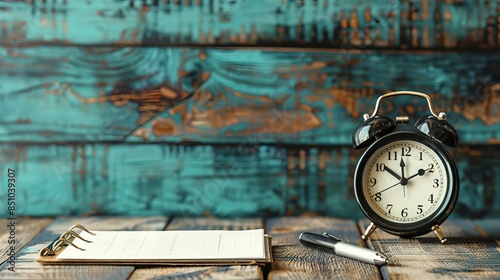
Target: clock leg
439	234
368	231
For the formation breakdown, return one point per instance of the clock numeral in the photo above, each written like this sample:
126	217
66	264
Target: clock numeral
419	209
431	168
404	212
436	183
373	181
431	198
389	207
420	158
378	197
380	167
392	153
405	152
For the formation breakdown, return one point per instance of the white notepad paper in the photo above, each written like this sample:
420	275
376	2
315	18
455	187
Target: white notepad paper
169	245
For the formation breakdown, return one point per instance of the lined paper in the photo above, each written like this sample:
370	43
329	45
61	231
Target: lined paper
169	245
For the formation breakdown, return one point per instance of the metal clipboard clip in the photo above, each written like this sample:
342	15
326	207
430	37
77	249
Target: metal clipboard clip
65	239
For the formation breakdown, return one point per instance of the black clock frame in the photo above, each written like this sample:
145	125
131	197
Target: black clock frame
436	218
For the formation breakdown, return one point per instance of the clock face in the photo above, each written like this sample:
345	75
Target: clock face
405	183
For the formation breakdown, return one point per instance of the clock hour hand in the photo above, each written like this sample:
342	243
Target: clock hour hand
420	172
392	173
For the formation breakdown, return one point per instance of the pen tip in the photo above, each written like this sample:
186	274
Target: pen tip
381	260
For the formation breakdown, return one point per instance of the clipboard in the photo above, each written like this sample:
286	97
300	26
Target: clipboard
78	246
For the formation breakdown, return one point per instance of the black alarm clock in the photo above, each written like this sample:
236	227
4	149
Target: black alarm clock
406	183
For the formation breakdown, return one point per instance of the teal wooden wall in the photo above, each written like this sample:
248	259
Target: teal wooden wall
233	108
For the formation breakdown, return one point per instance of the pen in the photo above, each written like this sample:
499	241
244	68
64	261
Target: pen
332	244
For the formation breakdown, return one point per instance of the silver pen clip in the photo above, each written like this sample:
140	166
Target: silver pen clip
326	234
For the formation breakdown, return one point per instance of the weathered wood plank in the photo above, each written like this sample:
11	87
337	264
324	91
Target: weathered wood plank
291	260
211	223
15	236
491	228
218	180
199	272
467	255
90	95
109	90
205	272
144	180
27	268
329	23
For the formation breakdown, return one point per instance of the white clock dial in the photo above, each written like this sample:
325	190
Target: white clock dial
405	181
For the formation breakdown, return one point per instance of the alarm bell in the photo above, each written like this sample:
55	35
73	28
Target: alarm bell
377	126
438	129
372	129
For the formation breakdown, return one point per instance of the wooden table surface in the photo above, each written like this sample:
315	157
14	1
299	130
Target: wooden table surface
472	251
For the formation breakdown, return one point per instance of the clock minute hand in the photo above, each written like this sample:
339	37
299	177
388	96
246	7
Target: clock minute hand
402	165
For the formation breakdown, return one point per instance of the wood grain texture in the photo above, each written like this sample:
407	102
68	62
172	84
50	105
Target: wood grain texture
91	95
212	223
77	77
215	180
329	23
145	180
205	272
22	232
27	268
295	261
105	91
489	227
469	254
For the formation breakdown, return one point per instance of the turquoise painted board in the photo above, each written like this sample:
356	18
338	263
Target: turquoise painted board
143	180
55	94
233	108
323	23
213	180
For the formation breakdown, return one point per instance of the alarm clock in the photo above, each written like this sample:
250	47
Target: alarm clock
406	183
